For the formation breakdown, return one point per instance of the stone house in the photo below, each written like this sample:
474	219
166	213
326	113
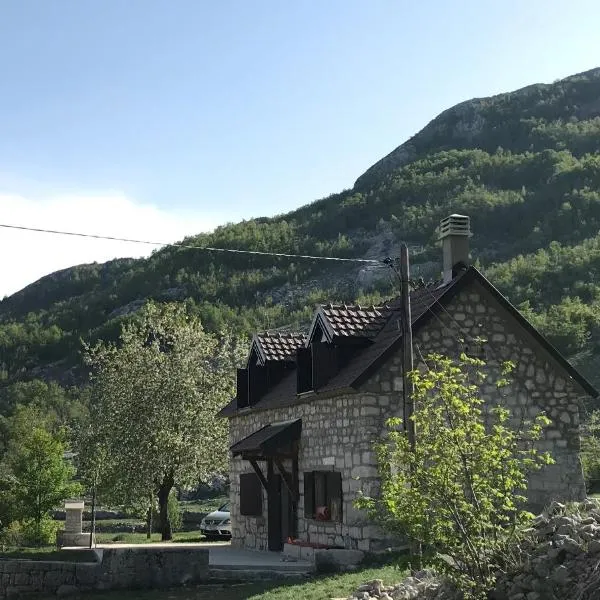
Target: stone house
309	407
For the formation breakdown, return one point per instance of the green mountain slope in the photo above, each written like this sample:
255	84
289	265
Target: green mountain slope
524	165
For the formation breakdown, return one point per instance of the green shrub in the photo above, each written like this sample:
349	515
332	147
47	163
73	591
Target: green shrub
39	534
12	535
29	533
590	451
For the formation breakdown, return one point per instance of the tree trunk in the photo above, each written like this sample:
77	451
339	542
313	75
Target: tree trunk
163	502
93	523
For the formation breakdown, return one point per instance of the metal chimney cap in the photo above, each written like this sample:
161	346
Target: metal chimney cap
455	225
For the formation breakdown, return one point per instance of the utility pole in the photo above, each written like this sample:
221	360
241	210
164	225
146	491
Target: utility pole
416	551
407	344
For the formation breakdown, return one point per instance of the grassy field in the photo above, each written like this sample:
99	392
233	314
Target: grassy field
203	506
140	538
319	588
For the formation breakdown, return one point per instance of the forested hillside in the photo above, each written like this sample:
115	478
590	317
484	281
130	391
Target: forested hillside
524	165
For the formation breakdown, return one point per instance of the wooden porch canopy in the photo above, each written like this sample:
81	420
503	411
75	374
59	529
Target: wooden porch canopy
273	440
273	443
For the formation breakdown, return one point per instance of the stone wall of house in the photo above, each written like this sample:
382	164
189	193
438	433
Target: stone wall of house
337	435
116	568
338	432
535	384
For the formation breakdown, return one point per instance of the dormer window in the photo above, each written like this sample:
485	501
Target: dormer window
337	332
271	356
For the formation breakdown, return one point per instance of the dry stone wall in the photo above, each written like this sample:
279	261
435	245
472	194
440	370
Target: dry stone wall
338	432
117	568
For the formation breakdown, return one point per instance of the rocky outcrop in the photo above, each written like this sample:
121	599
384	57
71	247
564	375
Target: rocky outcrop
562	556
557	559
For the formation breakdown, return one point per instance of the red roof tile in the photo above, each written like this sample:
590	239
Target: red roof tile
280	346
355	320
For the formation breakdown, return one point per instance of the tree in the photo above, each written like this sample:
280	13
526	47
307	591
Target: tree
461	491
154	399
42	479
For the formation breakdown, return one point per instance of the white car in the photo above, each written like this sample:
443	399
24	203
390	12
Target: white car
217	523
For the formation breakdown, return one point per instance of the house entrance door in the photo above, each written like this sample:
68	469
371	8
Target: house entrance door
282	514
275	521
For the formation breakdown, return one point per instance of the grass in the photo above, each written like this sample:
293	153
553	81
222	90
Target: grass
140	538
204	506
319	588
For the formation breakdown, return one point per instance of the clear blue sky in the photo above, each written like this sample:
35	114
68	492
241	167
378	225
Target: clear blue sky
229	109
255	106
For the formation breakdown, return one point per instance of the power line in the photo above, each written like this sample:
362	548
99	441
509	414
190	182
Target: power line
460	330
190	247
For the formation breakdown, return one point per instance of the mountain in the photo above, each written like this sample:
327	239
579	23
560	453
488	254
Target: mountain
524	165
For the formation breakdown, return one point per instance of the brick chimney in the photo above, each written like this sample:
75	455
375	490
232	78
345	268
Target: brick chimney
455	232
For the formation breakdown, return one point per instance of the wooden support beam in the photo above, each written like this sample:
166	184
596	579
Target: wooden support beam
270	470
287	479
295	477
260	474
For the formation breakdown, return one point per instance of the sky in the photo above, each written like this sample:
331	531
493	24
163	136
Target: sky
156	119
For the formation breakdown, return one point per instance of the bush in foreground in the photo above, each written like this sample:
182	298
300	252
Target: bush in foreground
460	489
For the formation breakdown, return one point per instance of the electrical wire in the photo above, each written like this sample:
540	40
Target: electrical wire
190	247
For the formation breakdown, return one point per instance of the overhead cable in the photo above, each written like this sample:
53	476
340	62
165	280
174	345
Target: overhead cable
189	246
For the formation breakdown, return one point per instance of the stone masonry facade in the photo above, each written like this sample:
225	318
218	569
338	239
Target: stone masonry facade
338	432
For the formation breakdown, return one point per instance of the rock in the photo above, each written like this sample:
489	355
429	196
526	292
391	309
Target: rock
67	590
539	521
594	547
533	596
571	546
565	530
560	575
541	569
555	508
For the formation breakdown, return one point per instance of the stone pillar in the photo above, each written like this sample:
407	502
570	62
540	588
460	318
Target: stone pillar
73	534
73	516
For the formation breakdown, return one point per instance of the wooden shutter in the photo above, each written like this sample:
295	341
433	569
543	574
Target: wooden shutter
334	495
250	495
242	388
324	363
320	484
309	502
257	383
304	370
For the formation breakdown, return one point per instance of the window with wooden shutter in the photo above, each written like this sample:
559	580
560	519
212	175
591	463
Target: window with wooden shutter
250	495
323	495
257	383
334	495
242	388
324	363
309	498
304	370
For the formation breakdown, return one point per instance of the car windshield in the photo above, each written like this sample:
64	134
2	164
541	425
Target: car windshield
224	508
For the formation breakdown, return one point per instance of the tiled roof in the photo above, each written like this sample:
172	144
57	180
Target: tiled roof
422	301
355	320
280	346
426	302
